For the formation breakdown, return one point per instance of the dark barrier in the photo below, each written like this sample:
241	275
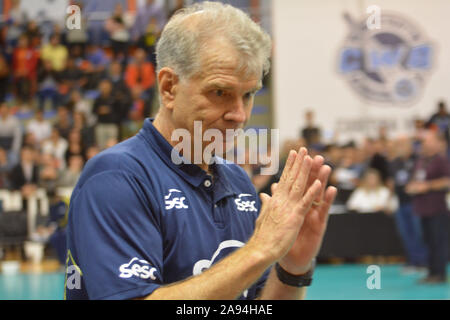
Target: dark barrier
352	235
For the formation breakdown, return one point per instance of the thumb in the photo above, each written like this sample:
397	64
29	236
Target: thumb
264	197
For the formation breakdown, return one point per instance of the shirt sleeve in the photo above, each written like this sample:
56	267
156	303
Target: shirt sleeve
116	237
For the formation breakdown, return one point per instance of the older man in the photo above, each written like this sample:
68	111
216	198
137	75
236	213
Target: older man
144	225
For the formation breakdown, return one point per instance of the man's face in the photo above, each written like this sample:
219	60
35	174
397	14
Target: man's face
219	96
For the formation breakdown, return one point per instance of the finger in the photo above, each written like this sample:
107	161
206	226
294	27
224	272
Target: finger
323	176
264	197
273	187
289	162
317	165
307	200
293	172
298	188
330	195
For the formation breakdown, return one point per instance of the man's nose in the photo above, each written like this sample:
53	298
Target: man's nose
237	112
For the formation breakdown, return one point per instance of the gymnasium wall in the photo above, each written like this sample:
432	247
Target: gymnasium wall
353	78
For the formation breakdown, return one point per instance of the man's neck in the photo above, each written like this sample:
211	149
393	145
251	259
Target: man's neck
165	127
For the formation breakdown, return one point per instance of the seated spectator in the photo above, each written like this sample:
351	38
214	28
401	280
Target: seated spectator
94	66
371	195
25	175
70	175
149	39
47	85
77	103
57	147
4	77
87	132
64	122
39	127
75	147
92	151
24	67
33	34
55	52
71	78
10	132
54	231
346	176
118	33
6	166
141	73
49	171
105	107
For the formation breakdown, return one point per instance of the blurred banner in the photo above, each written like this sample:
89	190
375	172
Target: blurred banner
359	64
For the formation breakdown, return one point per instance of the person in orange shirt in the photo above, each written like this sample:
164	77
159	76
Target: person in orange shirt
141	73
25	62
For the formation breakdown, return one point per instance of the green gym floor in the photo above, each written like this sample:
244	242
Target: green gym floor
331	282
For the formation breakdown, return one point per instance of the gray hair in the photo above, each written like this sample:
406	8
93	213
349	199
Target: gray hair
182	39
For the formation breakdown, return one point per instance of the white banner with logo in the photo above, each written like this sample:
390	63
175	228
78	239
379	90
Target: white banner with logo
359	64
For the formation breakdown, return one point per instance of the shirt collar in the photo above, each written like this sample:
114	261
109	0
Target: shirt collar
192	173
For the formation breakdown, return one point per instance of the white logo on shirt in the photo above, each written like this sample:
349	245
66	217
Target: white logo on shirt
243	205
139	268
200	265
176	202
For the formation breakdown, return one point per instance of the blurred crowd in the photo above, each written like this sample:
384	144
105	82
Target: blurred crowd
64	97
407	177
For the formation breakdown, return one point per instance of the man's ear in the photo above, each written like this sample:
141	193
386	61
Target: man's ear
168	82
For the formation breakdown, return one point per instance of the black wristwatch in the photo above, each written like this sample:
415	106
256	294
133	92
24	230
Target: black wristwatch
303	280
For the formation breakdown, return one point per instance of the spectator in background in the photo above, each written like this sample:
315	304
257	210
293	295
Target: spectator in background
441	119
121	92
87	132
408	224
78	103
6	166
47	85
95	66
25	175
151	9
24	65
70	175
371	195
148	40
105	108
430	183
419	130
49	171
56	53
92	151
379	160
141	72
75	147
39	127
310	132
57	147
4	77
63	121
71	78
33	34
10	132
347	174
118	33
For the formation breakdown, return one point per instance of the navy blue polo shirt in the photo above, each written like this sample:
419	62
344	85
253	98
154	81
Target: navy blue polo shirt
138	221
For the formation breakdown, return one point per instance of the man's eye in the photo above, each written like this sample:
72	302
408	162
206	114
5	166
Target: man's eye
219	93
